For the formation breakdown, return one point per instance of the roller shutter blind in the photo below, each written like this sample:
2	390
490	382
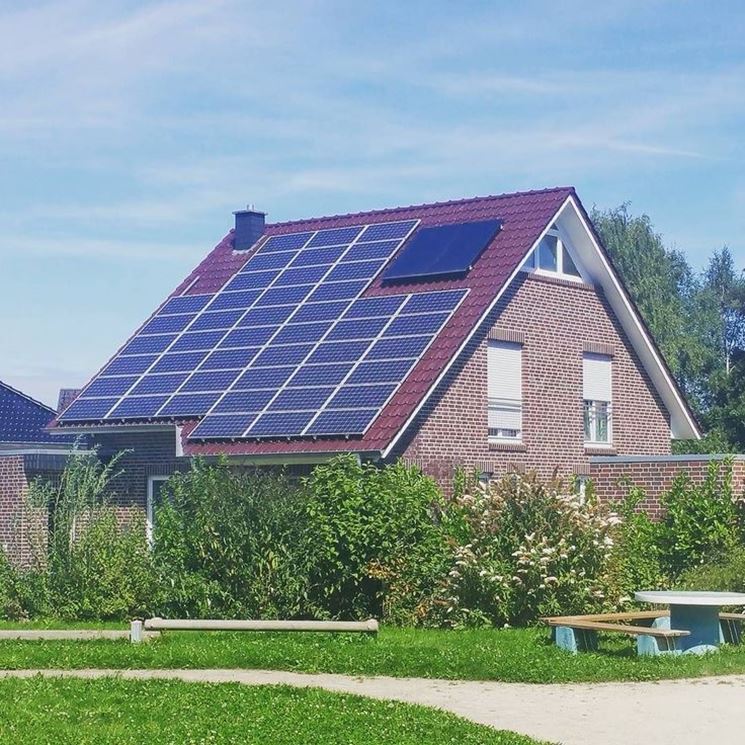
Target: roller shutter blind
596	377
505	389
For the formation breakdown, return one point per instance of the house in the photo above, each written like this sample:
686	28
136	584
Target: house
27	451
489	333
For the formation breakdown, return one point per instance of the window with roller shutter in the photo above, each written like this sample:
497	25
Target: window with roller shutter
505	391
597	395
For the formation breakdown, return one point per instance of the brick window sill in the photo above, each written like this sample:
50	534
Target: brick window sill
599	450
508	447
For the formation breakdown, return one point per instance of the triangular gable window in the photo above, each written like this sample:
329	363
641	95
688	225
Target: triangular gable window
552	256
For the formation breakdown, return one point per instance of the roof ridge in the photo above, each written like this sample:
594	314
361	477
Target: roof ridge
26	396
425	205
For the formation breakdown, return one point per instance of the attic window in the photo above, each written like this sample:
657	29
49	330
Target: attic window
552	257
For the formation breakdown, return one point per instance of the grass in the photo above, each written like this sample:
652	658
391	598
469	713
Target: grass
515	655
40	710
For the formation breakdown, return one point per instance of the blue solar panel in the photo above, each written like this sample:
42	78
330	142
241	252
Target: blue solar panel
318	256
110	386
200	340
164	324
321	374
427	323
401	346
240	299
245	401
284	295
289	355
254	336
366	251
432	302
361	396
223	319
214	380
320	311
355	270
262	261
444	250
183	362
285	242
266	316
340	351
350	422
223	426
385	231
189	404
335	236
381	372
125	365
280	424
159	384
363	328
302	276
186	304
252	281
337	291
298	399
145	344
223	359
138	407
264	377
385	305
87	409
301	332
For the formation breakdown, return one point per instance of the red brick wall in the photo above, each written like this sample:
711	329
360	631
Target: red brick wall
558	320
612	480
13	484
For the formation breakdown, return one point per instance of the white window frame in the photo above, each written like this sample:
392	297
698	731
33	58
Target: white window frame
150	507
590	407
505	435
531	263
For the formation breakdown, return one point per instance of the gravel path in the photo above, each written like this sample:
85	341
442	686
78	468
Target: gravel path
679	712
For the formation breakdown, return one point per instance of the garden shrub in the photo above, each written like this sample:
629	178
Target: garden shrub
86	565
529	549
702	521
725	575
377	541
229	543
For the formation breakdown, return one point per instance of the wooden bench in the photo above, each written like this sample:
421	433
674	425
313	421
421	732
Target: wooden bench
139	629
580	633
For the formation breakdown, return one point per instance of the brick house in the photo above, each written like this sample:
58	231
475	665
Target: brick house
27	451
490	334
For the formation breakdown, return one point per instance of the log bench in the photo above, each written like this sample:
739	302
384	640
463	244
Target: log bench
138	629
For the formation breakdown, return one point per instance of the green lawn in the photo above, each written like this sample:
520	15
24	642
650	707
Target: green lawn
42	710
523	655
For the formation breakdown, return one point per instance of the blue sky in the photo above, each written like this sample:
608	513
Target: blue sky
129	131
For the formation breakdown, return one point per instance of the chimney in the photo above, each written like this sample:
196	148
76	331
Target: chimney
249	226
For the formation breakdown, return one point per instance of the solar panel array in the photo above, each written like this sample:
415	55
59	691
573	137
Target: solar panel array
288	347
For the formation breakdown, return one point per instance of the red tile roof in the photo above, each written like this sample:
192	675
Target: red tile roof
524	216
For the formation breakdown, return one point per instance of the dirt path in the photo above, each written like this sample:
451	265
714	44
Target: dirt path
679	712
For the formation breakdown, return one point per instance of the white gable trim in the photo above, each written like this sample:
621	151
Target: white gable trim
594	266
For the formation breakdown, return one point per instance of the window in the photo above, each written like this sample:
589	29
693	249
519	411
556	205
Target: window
505	391
596	375
552	256
155	495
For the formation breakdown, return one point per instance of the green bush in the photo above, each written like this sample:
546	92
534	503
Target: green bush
529	549
702	521
229	543
636	559
378	547
726	575
86	565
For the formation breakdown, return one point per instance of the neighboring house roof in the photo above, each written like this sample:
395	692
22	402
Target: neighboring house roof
524	217
22	419
66	397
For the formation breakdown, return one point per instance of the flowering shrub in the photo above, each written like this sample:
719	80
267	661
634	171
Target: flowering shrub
527	549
